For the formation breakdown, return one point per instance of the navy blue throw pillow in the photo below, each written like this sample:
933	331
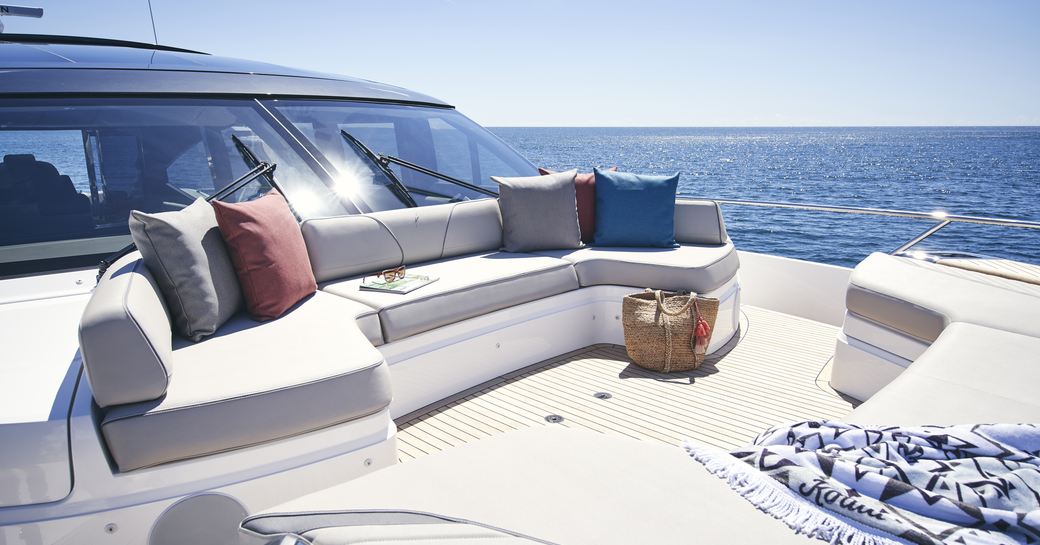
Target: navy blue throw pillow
635	210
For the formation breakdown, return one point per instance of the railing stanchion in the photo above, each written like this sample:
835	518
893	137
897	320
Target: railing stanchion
925	234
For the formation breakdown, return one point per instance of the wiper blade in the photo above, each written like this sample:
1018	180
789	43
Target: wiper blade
396	186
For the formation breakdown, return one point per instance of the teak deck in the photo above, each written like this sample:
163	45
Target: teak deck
776	371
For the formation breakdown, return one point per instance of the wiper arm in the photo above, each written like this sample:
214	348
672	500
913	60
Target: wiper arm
384	161
430	193
396	186
421	169
254	162
261	169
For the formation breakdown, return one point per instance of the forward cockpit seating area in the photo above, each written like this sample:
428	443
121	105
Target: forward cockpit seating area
162	398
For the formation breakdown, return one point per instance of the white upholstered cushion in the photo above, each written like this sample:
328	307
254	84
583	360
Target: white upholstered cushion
563	486
971	374
345	246
468	286
689	267
309	369
699	222
920	298
125	336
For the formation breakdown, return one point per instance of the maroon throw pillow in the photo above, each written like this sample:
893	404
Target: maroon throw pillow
585	192
268	252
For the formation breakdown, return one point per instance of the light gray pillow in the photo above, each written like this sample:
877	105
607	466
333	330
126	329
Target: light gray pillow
185	252
539	212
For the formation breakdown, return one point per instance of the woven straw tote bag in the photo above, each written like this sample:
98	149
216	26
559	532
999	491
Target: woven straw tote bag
668	332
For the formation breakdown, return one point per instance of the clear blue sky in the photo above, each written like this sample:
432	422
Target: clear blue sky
646	62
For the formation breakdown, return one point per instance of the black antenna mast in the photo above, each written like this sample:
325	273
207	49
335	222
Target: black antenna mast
151	15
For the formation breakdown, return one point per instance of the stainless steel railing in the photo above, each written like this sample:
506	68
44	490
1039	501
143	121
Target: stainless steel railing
941	218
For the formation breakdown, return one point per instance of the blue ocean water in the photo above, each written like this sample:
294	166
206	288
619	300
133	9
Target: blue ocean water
984	171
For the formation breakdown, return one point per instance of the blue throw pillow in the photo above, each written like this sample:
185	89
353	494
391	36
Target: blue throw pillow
635	210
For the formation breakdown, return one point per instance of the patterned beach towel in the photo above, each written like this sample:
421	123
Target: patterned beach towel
862	485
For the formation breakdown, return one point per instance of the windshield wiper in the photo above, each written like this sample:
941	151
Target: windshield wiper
384	161
396	186
261	169
421	169
254	162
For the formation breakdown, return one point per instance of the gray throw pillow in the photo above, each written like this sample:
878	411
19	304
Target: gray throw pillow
186	254
539	212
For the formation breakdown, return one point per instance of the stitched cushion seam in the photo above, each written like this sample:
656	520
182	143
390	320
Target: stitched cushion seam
264	441
249	395
137	326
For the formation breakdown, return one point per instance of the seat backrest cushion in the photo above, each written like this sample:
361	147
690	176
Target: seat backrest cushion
699	222
125	336
419	231
474	226
345	246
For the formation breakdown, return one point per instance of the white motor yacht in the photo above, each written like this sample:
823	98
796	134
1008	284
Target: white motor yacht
497	403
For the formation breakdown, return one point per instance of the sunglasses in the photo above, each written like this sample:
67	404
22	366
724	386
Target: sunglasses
389	275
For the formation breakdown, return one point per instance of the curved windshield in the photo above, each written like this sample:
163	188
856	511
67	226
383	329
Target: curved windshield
439	139
71	171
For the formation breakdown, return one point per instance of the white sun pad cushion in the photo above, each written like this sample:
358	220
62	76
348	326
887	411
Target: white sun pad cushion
563	486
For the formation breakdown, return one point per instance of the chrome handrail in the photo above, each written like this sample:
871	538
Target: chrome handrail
941	217
935	215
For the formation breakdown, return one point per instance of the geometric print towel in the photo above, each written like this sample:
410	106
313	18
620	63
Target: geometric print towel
876	485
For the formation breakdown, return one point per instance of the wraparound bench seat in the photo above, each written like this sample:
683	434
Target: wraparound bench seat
249	383
164	399
467	286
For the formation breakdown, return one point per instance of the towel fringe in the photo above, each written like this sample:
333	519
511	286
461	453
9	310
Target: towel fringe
777	501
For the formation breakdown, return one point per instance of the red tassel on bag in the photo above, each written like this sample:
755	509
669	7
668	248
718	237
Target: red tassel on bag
703	329
701	332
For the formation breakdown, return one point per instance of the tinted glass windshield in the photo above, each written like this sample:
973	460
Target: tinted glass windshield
439	139
72	171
